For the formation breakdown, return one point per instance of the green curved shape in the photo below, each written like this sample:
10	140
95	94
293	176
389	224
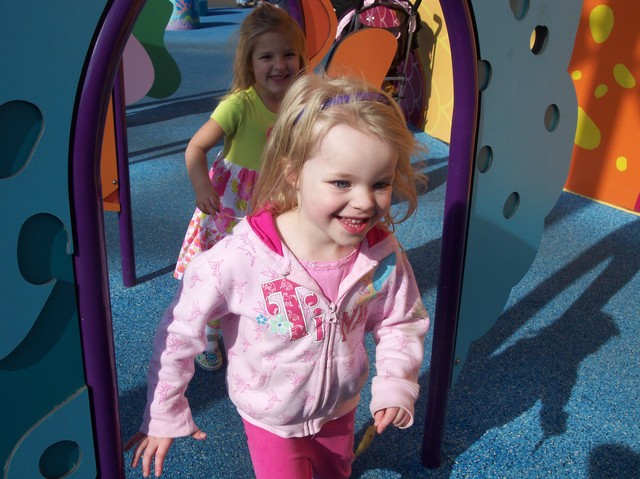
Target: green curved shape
149	30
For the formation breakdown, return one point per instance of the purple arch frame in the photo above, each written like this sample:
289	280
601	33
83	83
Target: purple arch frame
92	282
90	257
460	26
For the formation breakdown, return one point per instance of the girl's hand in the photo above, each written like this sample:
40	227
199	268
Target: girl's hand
150	448
397	416
196	161
207	200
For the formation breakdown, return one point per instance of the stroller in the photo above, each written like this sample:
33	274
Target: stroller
401	18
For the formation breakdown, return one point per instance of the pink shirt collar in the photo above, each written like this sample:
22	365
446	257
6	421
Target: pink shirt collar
264	226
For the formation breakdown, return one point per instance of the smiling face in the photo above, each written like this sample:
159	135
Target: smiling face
275	64
344	189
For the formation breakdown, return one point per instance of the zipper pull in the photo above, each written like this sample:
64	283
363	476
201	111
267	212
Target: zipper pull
333	319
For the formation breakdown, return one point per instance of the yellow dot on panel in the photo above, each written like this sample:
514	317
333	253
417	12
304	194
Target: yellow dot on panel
576	75
621	163
601	23
601	90
623	76
587	132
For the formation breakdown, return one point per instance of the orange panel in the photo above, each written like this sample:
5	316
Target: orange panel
605	68
108	164
354	55
320	26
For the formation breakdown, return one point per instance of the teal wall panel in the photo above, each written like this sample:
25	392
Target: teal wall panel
43	49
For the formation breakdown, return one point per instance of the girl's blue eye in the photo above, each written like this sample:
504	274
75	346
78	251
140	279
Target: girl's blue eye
381	186
342	184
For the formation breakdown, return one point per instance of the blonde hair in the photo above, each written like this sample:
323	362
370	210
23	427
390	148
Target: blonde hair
265	18
314	100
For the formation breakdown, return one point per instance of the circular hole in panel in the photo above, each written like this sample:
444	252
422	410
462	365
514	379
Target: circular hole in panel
551	117
484	74
511	205
59	460
21	125
484	159
42	244
539	38
519	8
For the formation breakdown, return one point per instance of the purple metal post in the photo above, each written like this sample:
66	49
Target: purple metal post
125	216
459	21
88	228
295	11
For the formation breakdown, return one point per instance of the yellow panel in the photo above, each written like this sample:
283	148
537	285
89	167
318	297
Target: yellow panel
435	53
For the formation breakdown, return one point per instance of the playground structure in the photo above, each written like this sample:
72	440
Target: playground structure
56	323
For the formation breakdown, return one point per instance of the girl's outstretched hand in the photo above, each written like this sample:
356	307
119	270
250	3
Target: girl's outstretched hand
397	416
150	447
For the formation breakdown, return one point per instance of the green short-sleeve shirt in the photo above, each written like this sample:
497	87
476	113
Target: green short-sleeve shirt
245	120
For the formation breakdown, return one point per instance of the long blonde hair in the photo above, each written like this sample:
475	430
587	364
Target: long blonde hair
320	100
265	18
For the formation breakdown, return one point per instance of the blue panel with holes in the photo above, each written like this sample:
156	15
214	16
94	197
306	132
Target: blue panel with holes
527	120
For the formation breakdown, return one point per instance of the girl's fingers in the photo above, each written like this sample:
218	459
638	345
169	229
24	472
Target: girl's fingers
159	456
140	441
402	419
135	439
152	450
382	419
147	457
396	416
209	207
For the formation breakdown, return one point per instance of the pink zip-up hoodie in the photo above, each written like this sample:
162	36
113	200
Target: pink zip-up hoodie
295	359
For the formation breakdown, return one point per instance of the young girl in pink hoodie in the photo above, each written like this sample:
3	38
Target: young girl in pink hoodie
297	285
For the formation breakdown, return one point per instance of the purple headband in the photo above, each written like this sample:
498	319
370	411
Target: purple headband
363	96
344	99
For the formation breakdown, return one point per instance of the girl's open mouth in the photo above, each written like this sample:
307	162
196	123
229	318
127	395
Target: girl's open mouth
354	225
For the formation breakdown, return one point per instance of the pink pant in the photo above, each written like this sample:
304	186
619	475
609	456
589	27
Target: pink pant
327	455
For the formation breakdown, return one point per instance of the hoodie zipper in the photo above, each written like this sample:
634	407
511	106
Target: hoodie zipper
332	324
333	317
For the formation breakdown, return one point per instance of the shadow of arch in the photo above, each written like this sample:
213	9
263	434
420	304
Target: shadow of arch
506	377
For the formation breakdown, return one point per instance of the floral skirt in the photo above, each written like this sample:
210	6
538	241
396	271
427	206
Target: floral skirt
234	185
